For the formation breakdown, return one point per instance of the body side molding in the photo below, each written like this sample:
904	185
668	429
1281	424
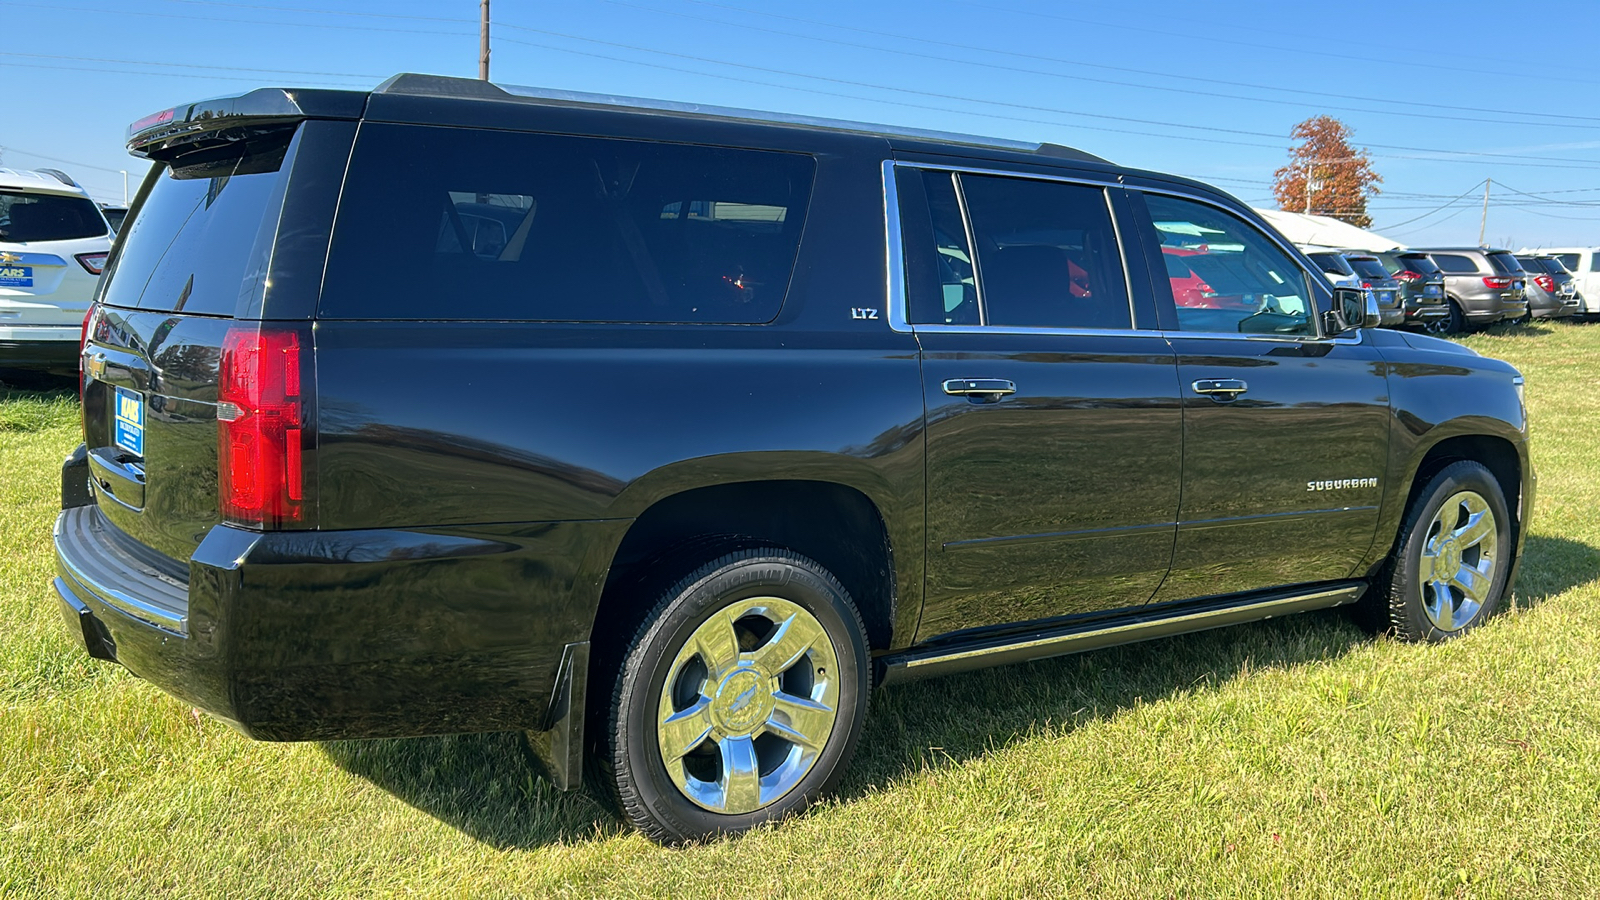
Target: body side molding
1139	625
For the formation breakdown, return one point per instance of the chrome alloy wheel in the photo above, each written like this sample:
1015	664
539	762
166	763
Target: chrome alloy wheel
1459	556
748	705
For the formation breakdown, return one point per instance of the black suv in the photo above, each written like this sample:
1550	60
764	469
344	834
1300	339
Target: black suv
667	435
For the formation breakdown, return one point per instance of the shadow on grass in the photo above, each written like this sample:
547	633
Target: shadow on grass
481	784
1551	566
484	786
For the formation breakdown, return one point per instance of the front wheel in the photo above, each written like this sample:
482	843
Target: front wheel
1454	555
740	699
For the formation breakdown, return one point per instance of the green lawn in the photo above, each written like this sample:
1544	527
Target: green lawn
1296	757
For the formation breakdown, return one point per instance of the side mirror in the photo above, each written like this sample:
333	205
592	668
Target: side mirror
1352	308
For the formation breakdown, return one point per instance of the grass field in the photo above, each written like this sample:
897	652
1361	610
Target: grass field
1296	757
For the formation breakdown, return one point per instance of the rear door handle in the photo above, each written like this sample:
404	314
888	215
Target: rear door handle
1221	389
979	388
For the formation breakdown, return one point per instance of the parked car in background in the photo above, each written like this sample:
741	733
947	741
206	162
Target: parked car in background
297	507
1552	292
1385	288
1482	286
53	244
1334	265
1584	264
114	215
1421	287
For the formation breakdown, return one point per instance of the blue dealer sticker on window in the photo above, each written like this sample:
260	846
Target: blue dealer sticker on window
130	421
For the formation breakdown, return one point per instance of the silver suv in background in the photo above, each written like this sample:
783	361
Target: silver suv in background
1482	285
1584	264
1552	292
53	244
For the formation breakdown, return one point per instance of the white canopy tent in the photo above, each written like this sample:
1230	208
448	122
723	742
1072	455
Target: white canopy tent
1325	231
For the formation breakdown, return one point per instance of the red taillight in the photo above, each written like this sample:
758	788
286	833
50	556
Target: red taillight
259	422
92	262
1366	285
1408	275
1546	282
1496	283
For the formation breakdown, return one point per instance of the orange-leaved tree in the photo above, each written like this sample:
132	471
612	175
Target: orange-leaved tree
1325	175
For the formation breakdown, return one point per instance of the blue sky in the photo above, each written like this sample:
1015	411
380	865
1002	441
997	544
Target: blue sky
1445	95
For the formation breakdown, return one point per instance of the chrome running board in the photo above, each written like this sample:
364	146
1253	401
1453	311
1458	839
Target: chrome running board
1137	625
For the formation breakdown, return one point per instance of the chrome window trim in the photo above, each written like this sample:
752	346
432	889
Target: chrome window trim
896	288
972	248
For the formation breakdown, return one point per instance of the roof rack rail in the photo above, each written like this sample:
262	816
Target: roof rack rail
443	86
58	175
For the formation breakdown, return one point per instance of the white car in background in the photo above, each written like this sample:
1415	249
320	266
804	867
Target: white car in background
1584	264
53	244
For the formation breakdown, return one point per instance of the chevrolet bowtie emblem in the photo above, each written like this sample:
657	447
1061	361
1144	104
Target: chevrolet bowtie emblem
9	259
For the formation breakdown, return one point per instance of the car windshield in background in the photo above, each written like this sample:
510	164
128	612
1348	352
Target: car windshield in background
26	217
1505	262
1367	267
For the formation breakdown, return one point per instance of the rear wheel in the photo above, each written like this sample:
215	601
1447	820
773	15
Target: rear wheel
740	699
1454	555
1453	322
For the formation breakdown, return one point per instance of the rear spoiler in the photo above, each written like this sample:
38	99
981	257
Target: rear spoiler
182	130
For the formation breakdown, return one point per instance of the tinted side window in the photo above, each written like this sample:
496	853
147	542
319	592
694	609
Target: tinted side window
1225	275
1047	254
1570	260
1416	262
1455	265
1594	265
440	223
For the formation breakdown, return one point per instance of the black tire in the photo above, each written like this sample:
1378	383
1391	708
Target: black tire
1455	322
631	759
1400	601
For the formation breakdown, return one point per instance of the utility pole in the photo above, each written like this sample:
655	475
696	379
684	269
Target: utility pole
483	44
1484	221
124	186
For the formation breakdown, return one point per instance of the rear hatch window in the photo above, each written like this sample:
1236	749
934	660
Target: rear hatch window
1332	262
1419	263
1505	263
202	236
1367	267
26	217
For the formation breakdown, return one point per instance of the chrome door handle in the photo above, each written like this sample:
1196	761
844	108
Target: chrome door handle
982	388
1221	389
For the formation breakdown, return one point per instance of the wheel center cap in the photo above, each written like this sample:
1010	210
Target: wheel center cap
1450	557
742	702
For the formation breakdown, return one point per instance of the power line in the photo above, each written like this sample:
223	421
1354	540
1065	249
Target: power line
1457	199
1562	161
136	62
7	148
1187	76
1298	48
1299	104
